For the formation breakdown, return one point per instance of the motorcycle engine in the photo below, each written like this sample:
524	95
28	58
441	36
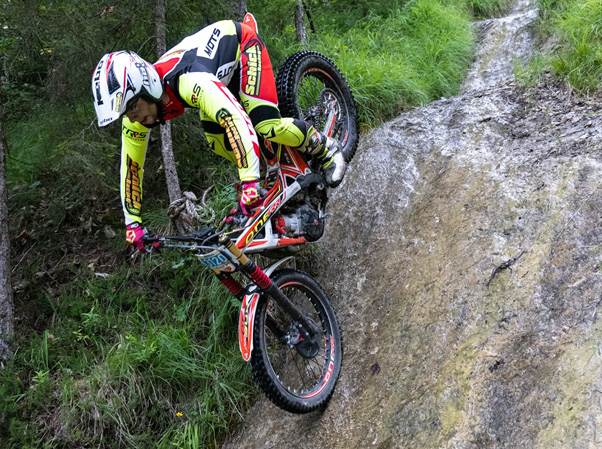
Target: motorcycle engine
305	221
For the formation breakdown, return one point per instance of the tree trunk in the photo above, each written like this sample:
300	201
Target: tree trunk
239	9
300	21
312	27
6	289
169	164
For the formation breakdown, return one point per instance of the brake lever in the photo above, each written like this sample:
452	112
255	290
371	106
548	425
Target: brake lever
233	220
151	244
150	249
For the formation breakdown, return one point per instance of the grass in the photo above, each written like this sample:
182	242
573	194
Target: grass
483	9
125	363
394	58
410	58
580	28
572	33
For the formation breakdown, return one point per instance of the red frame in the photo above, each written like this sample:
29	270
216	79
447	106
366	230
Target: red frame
283	167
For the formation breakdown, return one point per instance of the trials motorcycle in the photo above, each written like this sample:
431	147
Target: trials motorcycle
288	329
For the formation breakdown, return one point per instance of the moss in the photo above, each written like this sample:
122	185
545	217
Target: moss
575	382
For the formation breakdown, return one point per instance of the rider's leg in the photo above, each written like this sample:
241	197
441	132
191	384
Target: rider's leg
218	140
259	98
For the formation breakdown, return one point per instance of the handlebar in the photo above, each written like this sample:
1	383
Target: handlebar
209	247
204	239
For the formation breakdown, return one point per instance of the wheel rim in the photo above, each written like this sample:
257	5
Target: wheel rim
298	374
317	97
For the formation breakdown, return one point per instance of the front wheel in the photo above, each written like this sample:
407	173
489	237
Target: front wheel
312	88
297	374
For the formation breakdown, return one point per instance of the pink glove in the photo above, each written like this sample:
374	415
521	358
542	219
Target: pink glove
249	196
133	235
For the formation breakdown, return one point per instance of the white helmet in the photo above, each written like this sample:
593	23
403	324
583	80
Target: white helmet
120	77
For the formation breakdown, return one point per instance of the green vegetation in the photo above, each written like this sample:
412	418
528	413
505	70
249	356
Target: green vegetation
572	31
394	54
112	353
409	58
488	8
146	352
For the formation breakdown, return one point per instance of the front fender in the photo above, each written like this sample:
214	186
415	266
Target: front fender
245	324
268	271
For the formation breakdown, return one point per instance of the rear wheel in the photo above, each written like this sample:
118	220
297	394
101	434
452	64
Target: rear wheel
297	374
312	88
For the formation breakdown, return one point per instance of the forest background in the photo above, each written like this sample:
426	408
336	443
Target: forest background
109	353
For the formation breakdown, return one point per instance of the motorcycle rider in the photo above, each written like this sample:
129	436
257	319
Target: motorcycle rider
206	71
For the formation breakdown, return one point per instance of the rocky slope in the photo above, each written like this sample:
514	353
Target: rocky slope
463	254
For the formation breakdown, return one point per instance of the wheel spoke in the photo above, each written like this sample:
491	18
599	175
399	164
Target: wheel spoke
295	372
316	98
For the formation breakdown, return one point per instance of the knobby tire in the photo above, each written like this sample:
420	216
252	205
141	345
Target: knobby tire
293	380
303	83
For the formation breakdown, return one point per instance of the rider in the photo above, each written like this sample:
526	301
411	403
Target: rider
214	70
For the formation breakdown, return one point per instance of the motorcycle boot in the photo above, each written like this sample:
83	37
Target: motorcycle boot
328	151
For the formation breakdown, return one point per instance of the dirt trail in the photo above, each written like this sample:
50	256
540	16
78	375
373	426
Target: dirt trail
463	255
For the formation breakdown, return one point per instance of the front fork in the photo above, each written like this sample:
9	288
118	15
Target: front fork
307	329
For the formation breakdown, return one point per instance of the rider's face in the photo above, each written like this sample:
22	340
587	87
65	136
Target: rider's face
143	112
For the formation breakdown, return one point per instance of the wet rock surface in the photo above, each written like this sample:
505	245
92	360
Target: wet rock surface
463	255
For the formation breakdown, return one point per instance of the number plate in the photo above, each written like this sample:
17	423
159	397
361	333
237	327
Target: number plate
217	260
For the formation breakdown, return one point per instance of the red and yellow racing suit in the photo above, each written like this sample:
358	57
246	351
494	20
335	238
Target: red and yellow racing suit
206	71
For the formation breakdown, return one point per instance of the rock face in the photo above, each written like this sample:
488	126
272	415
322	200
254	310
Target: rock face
463	255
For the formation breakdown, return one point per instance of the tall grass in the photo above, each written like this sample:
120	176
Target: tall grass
483	9
580	30
412	57
574	29
124	366
395	55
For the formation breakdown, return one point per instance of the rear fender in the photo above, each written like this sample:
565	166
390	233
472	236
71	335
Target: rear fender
250	20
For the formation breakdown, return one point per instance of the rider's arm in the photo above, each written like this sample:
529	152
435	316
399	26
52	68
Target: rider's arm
204	91
134	140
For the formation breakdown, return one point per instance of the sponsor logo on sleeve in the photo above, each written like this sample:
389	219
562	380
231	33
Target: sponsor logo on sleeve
136	136
225	71
133	190
196	95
